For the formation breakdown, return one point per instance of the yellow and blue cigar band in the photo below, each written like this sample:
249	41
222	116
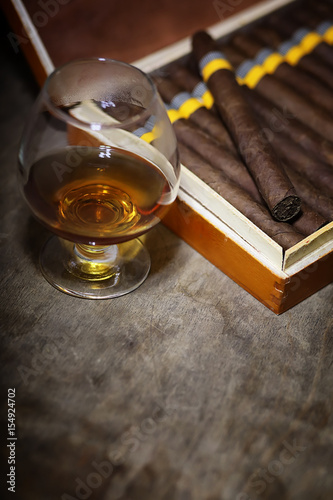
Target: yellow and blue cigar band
325	30
211	62
186	104
147	132
251	71
302	43
202	93
173	113
182	105
305	41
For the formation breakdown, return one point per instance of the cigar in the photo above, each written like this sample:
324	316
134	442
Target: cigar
281	232
278	120
258	155
283	23
324	7
311	195
308	221
320	174
294	76
317	172
325	52
177	98
277	91
314	117
186	79
233	54
313	13
216	155
310	63
316	15
314	197
264	34
288	26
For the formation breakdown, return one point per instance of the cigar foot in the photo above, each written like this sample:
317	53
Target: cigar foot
287	208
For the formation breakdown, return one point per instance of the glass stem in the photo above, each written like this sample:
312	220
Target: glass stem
93	263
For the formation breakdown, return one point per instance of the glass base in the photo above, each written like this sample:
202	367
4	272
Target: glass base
94	272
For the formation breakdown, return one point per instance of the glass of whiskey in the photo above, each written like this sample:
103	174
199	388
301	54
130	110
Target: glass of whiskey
98	166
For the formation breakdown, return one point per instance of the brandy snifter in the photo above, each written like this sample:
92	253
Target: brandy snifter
98	166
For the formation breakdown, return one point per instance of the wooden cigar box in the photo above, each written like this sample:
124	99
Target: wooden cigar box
277	278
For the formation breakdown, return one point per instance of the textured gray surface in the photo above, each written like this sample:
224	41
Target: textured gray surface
186	389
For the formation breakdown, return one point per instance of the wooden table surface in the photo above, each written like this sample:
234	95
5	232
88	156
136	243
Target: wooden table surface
186	389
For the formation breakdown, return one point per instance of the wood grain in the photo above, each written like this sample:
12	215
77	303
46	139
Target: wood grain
126	30
277	293
189	387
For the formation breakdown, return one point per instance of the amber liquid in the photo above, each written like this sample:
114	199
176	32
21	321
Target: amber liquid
97	196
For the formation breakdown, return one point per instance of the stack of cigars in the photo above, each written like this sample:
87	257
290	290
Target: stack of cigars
253	116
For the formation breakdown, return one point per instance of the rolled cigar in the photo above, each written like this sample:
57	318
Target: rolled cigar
313	13
324	8
233	54
312	196
265	34
192	83
216	155
278	120
288	27
307	112
183	77
245	43
320	174
311	63
308	221
315	19
284	23
173	94
294	76
258	155
325	52
281	232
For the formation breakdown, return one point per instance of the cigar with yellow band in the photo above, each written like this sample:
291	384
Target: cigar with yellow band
310	62
312	21
216	155
274	62
281	121
261	160
188	81
268	85
191	106
283	233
